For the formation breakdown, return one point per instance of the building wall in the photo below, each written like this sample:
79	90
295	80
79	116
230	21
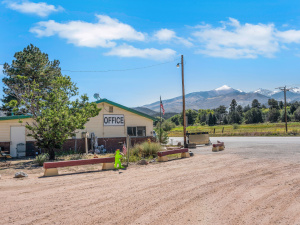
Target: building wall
5	128
131	119
109	136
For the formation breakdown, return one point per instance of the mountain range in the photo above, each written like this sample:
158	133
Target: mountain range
219	96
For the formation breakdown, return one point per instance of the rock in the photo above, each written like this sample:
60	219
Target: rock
152	161
20	174
143	162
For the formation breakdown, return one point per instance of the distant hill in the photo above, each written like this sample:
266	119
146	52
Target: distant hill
153	113
220	96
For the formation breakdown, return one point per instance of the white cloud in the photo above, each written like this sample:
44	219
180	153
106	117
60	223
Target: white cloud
168	35
149	53
289	36
41	8
233	40
165	35
104	33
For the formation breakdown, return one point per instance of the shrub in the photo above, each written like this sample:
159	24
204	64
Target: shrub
235	126
203	124
145	149
40	159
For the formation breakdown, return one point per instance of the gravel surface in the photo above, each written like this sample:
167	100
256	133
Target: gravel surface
253	181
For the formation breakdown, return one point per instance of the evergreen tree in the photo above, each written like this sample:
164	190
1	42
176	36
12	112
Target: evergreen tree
239	109
210	120
281	104
253	116
44	93
233	105
255	104
225	120
273	104
246	108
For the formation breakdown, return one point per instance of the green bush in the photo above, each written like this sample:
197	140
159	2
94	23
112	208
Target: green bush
40	159
145	149
235	126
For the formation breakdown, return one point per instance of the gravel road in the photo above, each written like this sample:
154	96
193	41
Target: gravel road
276	148
253	181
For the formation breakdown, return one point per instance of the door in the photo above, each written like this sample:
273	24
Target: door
17	137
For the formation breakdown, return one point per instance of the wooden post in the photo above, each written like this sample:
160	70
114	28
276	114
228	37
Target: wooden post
183	102
127	146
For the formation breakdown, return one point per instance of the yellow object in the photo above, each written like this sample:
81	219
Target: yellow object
162	158
50	172
185	155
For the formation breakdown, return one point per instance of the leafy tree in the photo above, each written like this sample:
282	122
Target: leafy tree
282	116
177	119
255	104
297	114
167	125
274	115
253	116
221	109
191	116
273	104
44	93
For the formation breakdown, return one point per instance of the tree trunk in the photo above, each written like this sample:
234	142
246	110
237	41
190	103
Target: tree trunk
51	154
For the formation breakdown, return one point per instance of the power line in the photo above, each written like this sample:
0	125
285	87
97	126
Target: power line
111	70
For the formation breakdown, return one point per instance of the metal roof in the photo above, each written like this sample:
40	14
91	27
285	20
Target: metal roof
126	108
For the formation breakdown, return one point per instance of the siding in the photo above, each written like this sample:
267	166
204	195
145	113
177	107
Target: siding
5	128
131	119
94	125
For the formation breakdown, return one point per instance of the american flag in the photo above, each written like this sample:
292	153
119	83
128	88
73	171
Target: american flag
124	149
162	107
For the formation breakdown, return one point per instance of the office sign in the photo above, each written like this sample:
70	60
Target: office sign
113	120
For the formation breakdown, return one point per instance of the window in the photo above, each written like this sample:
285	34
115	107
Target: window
141	131
111	109
136	131
131	131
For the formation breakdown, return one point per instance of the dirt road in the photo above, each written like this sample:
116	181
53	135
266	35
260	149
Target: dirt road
204	189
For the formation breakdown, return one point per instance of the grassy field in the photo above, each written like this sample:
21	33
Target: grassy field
262	129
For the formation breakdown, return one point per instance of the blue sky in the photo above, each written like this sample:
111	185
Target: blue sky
244	44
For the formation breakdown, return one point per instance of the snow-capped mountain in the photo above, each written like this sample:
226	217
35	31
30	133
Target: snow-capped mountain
223	96
295	90
265	92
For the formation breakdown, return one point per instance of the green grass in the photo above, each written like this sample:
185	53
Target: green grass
261	129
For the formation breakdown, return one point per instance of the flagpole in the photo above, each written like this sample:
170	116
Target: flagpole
160	120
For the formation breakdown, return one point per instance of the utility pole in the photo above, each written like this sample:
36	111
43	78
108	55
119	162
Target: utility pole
284	89
160	120
183	101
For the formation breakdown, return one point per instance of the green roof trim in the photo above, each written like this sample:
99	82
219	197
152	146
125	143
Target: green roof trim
14	117
126	108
